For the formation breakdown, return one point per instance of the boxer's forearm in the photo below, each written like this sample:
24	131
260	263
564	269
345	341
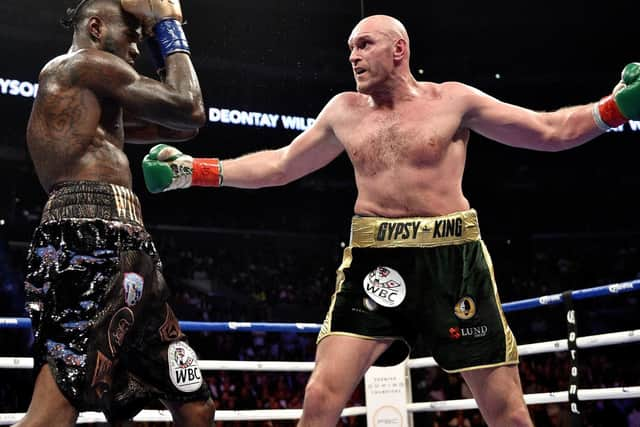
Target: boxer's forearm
256	170
166	168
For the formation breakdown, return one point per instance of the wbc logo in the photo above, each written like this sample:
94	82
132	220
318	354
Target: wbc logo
183	367
385	286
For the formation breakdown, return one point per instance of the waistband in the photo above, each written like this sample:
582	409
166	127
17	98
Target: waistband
92	200
452	229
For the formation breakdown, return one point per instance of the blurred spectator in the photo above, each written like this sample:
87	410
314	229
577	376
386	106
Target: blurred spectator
269	279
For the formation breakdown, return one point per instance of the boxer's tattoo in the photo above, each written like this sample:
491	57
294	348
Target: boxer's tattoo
62	112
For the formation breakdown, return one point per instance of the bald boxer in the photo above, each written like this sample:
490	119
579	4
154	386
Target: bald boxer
416	260
105	337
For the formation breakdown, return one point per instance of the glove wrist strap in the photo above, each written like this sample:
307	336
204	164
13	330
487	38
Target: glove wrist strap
607	115
206	172
171	37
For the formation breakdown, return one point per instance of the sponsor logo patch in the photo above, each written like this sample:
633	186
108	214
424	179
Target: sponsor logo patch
132	284
465	308
474	331
454	333
118	327
183	367
385	287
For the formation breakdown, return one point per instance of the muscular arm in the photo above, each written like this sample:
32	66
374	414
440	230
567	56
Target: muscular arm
309	151
175	103
520	127
166	168
141	132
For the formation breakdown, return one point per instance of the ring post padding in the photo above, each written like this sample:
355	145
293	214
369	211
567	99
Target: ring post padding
387	393
572	342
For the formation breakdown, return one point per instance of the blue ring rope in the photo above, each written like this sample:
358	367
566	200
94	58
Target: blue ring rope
553	299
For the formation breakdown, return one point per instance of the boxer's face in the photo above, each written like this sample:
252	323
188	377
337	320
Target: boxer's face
123	37
371	57
120	34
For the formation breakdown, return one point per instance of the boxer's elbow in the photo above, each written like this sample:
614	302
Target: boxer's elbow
192	111
276	177
197	117
277	173
186	135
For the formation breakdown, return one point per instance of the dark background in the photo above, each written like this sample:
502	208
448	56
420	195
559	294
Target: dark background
552	221
290	57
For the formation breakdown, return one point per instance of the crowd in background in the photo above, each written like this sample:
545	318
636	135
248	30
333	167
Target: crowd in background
283	278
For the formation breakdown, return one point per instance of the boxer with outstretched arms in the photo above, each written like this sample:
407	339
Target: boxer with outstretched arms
416	260
166	168
106	338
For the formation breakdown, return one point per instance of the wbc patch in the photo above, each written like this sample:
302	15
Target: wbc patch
132	284
183	367
385	286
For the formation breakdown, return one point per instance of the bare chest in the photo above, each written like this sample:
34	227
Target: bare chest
399	139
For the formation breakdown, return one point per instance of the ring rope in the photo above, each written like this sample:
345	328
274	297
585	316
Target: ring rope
546	300
589	341
293	414
613	338
532	399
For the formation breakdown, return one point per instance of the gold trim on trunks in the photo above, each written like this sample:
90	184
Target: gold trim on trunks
421	232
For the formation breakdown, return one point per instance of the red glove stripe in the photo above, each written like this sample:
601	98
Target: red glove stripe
206	173
610	113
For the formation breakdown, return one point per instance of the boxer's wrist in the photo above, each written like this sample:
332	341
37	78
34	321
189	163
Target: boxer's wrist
156	55
607	115
170	37
624	104
207	172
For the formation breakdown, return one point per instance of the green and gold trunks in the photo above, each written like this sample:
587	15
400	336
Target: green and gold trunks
402	276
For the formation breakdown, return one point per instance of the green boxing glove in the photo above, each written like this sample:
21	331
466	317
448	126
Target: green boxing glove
624	104
167	168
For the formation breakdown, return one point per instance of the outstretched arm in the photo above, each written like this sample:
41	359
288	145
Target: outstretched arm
523	128
165	168
310	151
553	131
